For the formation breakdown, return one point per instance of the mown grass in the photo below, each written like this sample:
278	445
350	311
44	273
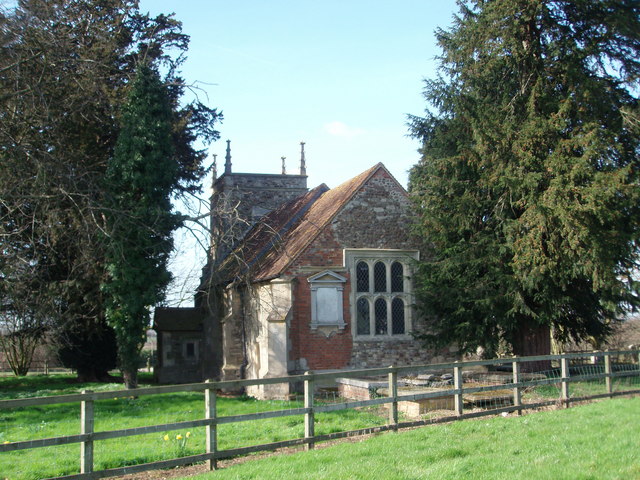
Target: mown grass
127	412
595	441
20	424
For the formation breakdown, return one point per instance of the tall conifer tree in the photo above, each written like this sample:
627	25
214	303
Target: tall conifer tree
527	191
66	67
140	180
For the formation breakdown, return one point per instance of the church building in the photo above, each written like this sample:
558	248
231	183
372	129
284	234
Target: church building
299	279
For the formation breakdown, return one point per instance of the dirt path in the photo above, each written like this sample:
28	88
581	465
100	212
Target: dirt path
185	472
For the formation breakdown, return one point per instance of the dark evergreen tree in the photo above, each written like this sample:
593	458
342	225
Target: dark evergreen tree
141	177
527	190
66	67
91	350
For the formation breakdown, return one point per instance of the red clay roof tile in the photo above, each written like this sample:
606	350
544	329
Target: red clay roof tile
276	241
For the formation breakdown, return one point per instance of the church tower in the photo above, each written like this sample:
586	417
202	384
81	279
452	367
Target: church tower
239	200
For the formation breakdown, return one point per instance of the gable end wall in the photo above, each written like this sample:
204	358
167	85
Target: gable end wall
376	217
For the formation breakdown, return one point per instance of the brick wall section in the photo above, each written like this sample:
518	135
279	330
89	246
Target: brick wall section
375	218
312	349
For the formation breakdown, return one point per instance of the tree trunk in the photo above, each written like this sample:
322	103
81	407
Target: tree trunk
93	374
130	378
533	341
19	350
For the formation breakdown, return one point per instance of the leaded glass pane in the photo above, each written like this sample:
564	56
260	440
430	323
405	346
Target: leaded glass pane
362	307
362	277
397	277
381	316
380	277
397	316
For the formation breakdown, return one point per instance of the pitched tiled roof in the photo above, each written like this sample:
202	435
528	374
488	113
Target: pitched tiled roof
282	235
268	235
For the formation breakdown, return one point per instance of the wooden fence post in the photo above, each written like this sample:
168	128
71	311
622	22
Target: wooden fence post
564	372
212	428
607	372
308	416
517	395
457	384
86	427
393	394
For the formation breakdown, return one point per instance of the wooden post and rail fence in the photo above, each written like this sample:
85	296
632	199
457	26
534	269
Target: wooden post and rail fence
210	421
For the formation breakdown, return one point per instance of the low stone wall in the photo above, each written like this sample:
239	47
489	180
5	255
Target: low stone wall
360	389
366	389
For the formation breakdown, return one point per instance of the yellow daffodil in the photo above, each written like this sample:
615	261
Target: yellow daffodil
188	434
166	438
6	441
178	437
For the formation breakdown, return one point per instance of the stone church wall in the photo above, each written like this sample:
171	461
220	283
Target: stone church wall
375	218
239	200
179	363
255	194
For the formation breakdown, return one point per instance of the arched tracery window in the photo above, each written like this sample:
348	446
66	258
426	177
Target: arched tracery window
381	294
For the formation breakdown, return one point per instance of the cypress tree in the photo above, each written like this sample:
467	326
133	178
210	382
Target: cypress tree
140	179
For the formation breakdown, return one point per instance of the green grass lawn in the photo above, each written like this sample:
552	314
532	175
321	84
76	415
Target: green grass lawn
592	441
20	424
595	441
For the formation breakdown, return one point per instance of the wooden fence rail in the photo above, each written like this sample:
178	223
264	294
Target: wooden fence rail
88	436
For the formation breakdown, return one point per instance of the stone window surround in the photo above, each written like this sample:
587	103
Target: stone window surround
334	283
371	255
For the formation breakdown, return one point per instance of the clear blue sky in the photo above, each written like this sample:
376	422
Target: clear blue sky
340	75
